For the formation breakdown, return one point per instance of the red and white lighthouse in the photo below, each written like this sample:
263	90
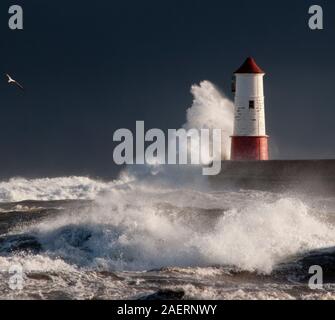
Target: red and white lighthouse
249	141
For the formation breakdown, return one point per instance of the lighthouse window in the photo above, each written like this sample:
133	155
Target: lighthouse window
251	104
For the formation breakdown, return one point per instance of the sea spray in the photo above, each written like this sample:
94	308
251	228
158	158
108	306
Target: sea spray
142	228
211	109
61	188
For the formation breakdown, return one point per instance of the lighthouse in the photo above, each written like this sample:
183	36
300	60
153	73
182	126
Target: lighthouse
249	141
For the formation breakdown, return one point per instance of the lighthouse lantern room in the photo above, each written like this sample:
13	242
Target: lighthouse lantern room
249	141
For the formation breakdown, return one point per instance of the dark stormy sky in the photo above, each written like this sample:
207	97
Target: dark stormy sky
91	67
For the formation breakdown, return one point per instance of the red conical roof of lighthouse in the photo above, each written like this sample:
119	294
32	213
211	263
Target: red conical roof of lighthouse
249	66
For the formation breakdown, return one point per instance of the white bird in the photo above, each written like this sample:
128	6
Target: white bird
12	81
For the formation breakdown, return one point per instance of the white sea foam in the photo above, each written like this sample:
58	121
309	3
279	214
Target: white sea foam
211	109
63	188
143	227
137	224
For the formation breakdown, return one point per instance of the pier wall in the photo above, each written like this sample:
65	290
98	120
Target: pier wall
278	175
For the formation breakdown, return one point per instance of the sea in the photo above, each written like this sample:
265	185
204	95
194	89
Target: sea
148	236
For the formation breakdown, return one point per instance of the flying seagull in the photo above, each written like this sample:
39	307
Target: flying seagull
14	82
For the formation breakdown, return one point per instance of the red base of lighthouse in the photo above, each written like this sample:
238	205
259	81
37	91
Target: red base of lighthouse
249	148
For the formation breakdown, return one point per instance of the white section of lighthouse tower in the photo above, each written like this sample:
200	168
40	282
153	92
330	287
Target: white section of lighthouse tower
249	103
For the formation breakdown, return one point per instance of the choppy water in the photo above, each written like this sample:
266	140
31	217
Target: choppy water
136	238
